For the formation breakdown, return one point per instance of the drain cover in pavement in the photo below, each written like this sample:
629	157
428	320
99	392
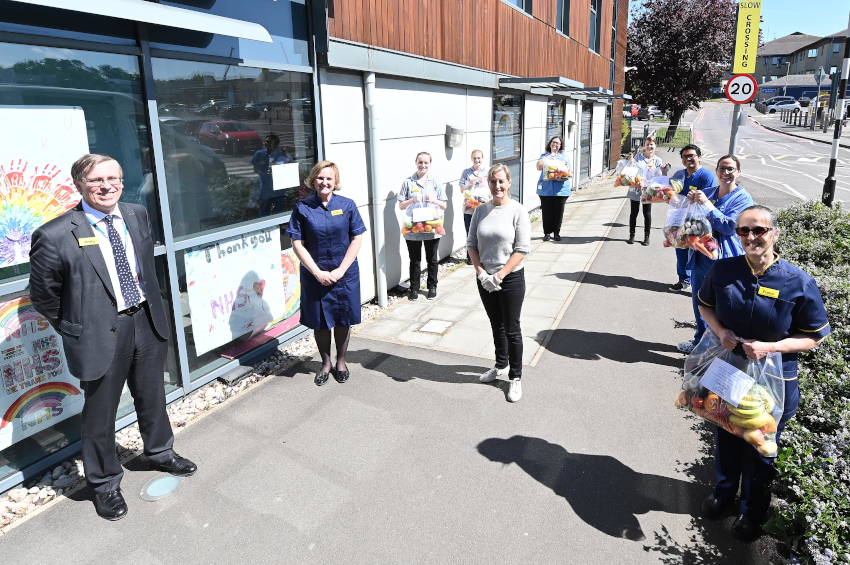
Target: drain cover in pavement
436	327
161	487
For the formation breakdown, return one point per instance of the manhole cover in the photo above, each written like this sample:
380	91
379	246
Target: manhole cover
161	487
436	326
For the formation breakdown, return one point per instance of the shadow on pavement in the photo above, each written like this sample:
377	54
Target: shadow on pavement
603	492
608	496
616	281
592	346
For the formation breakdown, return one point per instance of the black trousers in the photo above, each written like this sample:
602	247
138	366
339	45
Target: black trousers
552	211
647	216
432	259
504	307
140	362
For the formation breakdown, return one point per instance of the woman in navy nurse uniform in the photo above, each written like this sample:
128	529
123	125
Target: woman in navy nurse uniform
758	303
326	232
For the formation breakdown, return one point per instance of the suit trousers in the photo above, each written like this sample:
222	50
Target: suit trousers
140	362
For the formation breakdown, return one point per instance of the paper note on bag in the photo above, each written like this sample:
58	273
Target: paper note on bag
727	382
285	176
676	217
425	214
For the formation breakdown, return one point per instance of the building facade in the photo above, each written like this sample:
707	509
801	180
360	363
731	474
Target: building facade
183	94
773	56
826	52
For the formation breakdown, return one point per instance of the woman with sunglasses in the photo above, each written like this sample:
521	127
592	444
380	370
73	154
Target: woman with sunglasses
725	202
757	303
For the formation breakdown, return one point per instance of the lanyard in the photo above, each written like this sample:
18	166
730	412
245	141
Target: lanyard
95	226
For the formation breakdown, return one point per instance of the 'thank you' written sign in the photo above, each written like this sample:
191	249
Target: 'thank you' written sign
235	287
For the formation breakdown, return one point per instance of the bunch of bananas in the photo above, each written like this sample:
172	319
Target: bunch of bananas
754	410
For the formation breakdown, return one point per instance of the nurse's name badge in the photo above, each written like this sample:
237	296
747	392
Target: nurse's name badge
769	292
336	212
88	241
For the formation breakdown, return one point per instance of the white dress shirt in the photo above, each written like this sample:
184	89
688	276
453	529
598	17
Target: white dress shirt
100	228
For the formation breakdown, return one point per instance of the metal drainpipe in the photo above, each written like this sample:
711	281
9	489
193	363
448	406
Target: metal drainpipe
376	196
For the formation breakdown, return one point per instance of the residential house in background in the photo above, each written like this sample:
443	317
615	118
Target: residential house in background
773	56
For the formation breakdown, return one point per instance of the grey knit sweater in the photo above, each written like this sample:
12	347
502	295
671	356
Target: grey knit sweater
497	232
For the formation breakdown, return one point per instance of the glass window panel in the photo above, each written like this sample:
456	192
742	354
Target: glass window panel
555	119
213	122
106	86
203	363
285	20
67	24
507	126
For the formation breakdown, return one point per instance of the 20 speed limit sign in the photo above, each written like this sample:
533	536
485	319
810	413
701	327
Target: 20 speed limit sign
741	89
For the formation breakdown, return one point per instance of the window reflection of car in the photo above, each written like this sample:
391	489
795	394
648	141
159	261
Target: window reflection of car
229	137
236	112
259	106
177	138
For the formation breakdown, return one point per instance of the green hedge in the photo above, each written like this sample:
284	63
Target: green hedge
813	485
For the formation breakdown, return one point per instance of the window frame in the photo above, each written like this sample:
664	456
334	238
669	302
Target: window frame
594	38
562	17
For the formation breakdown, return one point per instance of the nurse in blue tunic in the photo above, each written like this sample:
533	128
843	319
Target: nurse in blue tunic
327	232
724	202
758	303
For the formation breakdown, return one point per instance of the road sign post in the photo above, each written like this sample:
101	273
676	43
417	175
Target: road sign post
740	89
829	184
818	78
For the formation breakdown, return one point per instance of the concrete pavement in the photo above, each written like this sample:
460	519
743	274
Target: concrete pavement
773	122
414	461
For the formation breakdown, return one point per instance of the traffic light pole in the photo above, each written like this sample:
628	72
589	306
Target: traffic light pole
829	184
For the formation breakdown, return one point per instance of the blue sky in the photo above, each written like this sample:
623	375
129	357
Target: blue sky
813	17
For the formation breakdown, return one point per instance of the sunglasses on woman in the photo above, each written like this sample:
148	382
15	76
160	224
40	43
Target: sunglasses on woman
756	231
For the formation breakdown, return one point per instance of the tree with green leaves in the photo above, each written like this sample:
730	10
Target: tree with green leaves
679	48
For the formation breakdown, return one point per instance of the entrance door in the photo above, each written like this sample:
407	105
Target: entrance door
584	144
507	137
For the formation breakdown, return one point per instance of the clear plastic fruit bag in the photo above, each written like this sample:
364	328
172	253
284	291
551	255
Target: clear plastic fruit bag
688	227
476	196
556	170
421	221
745	397
660	189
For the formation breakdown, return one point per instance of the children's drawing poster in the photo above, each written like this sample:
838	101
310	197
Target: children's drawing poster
36	391
235	287
36	153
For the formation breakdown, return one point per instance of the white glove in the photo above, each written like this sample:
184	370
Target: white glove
491	283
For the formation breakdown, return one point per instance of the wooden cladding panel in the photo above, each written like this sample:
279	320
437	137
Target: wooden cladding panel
487	34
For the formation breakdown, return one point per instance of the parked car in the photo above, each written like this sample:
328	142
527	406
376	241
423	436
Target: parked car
229	137
648	113
627	110
259	106
792	105
777	100
804	101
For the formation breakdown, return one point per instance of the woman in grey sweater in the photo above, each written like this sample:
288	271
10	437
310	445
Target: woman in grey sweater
498	241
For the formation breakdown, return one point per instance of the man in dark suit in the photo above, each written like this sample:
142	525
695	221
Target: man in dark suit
93	277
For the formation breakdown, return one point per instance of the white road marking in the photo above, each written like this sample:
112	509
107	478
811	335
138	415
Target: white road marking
792	193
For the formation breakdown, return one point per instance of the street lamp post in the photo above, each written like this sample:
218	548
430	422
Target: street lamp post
785	86
829	183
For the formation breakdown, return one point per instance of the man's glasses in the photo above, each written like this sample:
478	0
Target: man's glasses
114	181
727	169
689	156
757	231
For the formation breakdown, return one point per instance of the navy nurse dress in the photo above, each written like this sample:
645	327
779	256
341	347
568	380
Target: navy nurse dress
781	302
326	233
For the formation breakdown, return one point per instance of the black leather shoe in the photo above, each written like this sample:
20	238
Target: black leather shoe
631	239
557	237
412	295
712	508
177	466
545	237
745	529
110	505
645	241
341	376
321	378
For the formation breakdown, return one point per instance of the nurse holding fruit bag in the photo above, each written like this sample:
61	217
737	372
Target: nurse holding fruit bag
423	198
553	187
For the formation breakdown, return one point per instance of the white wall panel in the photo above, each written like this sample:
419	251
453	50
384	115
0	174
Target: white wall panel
343	111
479	110
411	109
366	258
353	162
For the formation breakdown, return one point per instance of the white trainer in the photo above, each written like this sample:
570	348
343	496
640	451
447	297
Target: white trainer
491	375
515	392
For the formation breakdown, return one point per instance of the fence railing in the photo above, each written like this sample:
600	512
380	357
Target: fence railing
684	135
